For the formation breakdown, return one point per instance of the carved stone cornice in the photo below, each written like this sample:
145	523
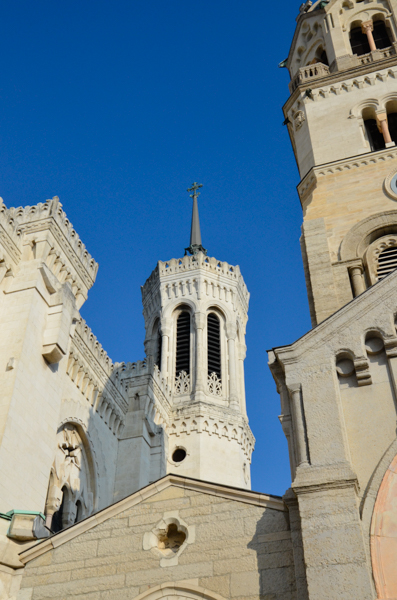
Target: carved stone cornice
309	181
210	420
317	478
371	68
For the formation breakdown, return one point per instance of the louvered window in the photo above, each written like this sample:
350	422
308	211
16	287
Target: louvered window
214	345
387	262
183	343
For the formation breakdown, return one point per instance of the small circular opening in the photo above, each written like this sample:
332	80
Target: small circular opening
179	455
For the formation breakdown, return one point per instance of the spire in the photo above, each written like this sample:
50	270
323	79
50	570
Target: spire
195	234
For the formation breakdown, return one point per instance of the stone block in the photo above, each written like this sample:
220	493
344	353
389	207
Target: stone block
236	565
75	551
219	584
125	593
245	584
118	545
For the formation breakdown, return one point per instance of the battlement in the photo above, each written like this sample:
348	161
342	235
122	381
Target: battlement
26	219
95	347
187	264
9	237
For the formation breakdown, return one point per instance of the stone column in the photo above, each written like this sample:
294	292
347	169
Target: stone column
367	27
381	119
149	351
201	367
391	353
356	274
299	426
231	334
242	352
166	328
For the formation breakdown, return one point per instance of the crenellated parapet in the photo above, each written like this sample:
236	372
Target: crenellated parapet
97	378
196	277
44	232
9	239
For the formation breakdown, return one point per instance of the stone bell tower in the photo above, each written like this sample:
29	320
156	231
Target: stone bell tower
195	311
338	383
342	120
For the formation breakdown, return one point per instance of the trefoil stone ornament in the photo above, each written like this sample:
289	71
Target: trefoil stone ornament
214	385
182	383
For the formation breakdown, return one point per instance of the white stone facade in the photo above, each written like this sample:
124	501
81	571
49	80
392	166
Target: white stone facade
78	431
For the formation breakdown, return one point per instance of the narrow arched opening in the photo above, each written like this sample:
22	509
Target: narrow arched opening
358	40
391	109
381	34
182	362
214	362
375	137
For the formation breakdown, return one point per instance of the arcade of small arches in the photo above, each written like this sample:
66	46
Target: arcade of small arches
378	119
198	349
367	31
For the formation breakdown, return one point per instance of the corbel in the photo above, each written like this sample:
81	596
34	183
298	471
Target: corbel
363	374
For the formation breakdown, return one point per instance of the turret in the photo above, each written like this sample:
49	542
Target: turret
195	311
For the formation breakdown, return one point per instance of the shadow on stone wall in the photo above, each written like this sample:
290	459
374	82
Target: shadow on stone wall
278	546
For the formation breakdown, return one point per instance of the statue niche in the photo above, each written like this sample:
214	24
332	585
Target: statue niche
70	492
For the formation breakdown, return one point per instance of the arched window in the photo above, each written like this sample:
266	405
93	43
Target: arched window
381	35
214	345
375	137
387	262
324	58
158	349
359	41
392	123
182	362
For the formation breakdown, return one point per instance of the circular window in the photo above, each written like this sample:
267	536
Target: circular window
390	184
393	184
179	455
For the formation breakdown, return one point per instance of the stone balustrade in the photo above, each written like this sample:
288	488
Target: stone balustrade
310	72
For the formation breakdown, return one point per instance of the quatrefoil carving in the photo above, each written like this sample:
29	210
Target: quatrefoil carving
169	538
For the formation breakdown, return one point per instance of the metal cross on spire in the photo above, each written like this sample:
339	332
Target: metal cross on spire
195	234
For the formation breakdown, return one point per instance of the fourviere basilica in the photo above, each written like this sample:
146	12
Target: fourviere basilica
132	480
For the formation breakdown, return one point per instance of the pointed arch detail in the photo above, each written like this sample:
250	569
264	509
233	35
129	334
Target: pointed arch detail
172	590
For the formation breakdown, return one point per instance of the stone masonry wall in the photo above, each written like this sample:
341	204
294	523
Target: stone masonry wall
241	551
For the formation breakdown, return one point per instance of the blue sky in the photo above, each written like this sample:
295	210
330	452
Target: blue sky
117	107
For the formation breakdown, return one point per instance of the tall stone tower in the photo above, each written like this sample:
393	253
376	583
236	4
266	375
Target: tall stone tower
342	120
338	383
195	311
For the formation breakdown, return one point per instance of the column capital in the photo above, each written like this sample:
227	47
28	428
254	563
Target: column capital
231	330
356	268
294	387
166	326
199	319
381	116
367	26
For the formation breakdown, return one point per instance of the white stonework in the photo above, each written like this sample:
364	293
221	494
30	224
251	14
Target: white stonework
145	467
